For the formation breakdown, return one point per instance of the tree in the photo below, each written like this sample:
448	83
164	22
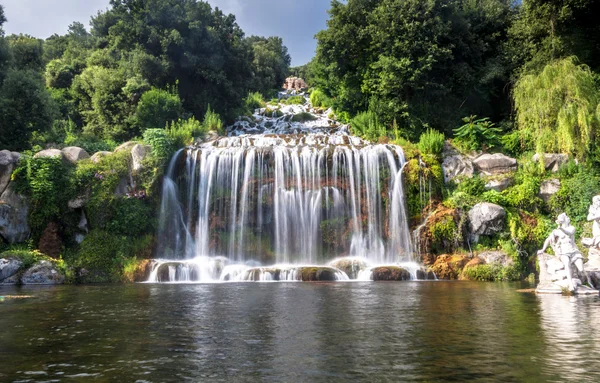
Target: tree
559	107
27	52
25	107
157	108
271	63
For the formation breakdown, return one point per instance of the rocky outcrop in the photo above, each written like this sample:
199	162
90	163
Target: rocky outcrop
50	241
497	163
318	274
43	273
351	266
548	188
138	154
457	166
486	219
9	267
390	273
449	266
498	257
8	162
74	154
125	147
552	161
499	185
294	83
50	153
99	155
14	211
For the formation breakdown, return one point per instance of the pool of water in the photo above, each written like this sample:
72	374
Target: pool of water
294	332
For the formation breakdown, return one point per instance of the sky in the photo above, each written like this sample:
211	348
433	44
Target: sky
296	21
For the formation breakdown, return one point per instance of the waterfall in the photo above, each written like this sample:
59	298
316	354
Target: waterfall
278	192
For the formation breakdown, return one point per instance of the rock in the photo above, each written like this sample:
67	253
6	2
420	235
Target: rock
50	241
14	212
43	273
426	275
475	262
294	83
457	166
350	266
142	271
548	188
125	147
498	163
499	185
9	266
390	273
123	187
50	153
449	266
552	161
486	219
138	154
99	155
78	202
8	162
74	154
499	257
211	136
318	274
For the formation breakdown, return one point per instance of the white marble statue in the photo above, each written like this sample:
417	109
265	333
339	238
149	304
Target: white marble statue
594	242
564	269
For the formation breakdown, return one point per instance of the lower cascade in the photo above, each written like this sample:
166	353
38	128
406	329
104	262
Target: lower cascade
283	200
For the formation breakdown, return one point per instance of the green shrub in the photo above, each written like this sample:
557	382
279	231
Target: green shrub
296	100
491	272
367	126
254	101
493	196
524	195
477	134
319	99
443	234
157	108
132	217
575	194
102	255
183	132
212	121
431	142
161	142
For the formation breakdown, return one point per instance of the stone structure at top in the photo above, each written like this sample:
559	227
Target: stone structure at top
294	83
563	271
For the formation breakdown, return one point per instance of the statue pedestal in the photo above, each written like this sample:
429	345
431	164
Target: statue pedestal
553	278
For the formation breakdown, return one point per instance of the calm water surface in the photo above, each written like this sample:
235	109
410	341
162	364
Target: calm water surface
295	332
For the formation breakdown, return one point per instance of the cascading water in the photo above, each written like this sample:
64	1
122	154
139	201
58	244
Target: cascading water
281	193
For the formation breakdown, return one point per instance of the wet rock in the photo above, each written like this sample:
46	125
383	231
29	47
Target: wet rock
8	162
14	211
390	273
497	163
43	273
50	241
548	188
211	135
425	275
552	161
486	219
99	155
457	166
318	274
499	185
9	266
449	266
351	266
50	153
74	154
141	273
138	154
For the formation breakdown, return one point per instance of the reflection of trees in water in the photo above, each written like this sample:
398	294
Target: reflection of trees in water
571	336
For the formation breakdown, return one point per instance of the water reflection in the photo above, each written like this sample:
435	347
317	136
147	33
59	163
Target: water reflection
299	332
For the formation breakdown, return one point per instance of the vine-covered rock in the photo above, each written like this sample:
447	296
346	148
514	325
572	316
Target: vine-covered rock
549	188
43	273
8	161
14	212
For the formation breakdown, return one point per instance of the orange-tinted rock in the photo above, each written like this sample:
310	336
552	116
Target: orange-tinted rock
294	83
475	262
390	273
449	266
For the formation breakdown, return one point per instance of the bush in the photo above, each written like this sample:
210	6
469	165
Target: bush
477	134
431	142
161	142
132	217
491	272
575	194
296	100
157	108
367	126
319	99
254	101
212	121
183	132
102	255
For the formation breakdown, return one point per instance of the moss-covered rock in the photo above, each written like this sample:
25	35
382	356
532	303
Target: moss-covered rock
318	274
390	273
449	266
351	266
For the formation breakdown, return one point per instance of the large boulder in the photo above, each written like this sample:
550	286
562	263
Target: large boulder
138	154
74	154
352	266
9	266
99	155
549	188
125	147
552	161
457	166
499	257
8	162
390	273
14	211
43	273
449	266
497	163
499	184
486	219
50	153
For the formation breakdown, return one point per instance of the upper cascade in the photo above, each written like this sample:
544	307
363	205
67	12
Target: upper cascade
287	186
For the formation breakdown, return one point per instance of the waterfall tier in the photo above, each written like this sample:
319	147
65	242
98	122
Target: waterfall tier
290	193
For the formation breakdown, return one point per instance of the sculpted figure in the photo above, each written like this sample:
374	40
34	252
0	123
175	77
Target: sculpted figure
566	252
594	215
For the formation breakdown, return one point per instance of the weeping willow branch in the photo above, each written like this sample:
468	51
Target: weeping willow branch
559	107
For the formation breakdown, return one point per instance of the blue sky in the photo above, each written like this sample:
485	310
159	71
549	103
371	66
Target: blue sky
296	21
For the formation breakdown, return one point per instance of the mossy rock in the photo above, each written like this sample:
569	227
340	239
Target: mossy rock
303	117
390	273
449	266
318	274
351	266
425	275
138	271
